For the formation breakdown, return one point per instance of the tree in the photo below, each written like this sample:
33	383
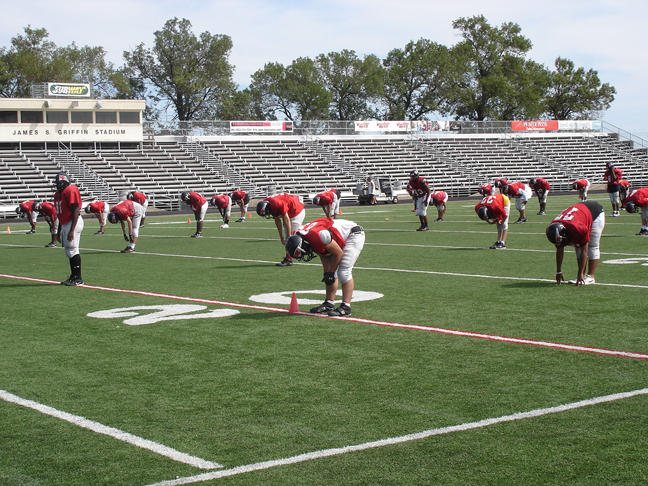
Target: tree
415	80
575	94
353	84
491	75
192	74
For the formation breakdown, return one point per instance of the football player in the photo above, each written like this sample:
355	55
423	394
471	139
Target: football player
25	208
521	192
141	199
582	186
612	177
421	194
580	226
131	213
338	243
495	209
288	213
67	200
329	200
486	190
224	204
541	188
242	199
100	210
198	204
439	199
48	211
638	199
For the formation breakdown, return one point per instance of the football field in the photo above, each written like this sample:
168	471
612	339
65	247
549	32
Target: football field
181	363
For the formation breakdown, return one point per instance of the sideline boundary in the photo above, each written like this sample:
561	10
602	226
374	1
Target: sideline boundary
440	330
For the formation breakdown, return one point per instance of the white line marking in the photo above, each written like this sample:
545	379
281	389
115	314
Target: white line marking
309	456
111	432
440	330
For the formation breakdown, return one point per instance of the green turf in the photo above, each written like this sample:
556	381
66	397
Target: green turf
260	385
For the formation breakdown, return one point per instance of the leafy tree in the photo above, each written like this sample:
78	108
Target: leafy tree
415	80
489	70
269	92
353	84
191	74
575	94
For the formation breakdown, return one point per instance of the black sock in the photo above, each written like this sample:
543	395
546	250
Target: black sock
75	265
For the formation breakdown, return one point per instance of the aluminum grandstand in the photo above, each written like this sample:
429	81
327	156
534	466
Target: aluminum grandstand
109	150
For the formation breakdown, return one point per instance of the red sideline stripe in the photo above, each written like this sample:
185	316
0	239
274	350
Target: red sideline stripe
440	330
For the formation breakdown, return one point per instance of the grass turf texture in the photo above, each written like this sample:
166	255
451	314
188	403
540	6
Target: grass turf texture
261	386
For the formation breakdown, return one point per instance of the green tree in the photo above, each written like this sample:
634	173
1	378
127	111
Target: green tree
575	94
192	74
415	80
354	84
491	78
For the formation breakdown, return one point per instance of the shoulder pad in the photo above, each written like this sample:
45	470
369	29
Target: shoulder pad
325	236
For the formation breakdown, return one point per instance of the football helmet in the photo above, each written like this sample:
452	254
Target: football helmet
88	209
263	209
575	186
532	182
213	201
557	234
484	213
185	197
316	200
112	217
62	181
505	189
414	174
297	247
129	196
631	207
37	207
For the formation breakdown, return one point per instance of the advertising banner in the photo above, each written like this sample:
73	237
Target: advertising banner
70	133
261	126
535	126
68	90
382	126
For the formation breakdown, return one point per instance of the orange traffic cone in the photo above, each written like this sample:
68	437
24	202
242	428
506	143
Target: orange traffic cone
340	211
189	220
249	215
294	307
8	230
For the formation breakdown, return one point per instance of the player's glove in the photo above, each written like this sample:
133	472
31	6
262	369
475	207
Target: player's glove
329	278
126	237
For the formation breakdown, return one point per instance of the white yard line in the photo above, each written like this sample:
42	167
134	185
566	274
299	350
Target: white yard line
111	432
309	456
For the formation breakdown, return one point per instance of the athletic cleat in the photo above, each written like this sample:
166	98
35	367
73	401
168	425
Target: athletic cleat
541	213
286	262
501	246
423	228
224	225
128	249
50	245
342	310
322	308
31	232
99	233
240	220
438	220
588	280
197	235
521	220
572	281
494	246
72	281
643	232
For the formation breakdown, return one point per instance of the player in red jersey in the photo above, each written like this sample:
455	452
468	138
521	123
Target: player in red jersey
25	208
624	189
582	186
141	199
67	200
500	184
612	177
580	226
288	213
421	194
329	200
131	213
48	211
439	199
224	204
242	199
100	210
541	188
486	190
638	199
338	243
198	204
521	193
495	210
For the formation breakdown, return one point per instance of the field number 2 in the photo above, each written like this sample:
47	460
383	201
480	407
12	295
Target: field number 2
136	316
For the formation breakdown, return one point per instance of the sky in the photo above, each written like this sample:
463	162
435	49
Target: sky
608	36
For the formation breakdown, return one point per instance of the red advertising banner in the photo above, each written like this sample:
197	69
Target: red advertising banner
535	126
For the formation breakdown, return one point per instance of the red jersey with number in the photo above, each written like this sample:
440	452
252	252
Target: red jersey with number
196	201
580	184
516	189
139	197
639	197
439	197
26	206
238	196
613	176
48	210
221	200
327	197
124	210
486	190
541	185
282	204
311	233
497	204
418	187
578	220
64	201
97	207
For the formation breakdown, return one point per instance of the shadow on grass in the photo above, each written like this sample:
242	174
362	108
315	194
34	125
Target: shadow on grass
530	285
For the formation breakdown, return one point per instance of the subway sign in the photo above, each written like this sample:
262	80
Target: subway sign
68	89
